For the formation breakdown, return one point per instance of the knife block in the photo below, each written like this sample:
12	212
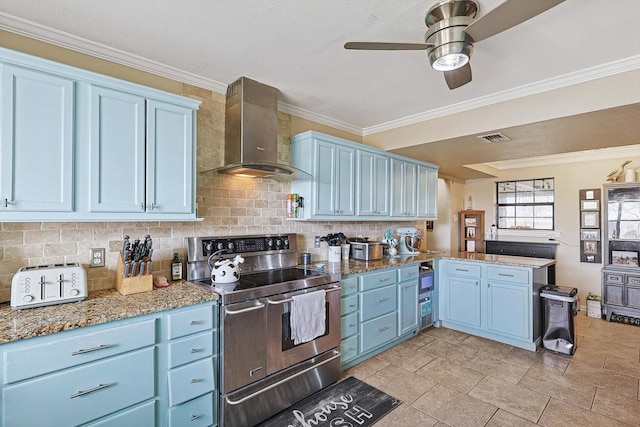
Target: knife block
134	284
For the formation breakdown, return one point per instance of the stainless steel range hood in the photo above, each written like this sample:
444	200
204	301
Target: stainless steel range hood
251	131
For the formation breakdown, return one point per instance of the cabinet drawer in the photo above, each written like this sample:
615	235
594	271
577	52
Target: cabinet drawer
633	280
378	331
190	381
196	413
408	273
349	325
348	349
190	321
349	285
190	349
143	415
82	394
464	269
348	304
29	362
613	278
377	302
514	275
376	280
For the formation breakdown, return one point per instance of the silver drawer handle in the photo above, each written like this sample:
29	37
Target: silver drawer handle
91	390
194	417
383	299
195	322
195	350
461	269
89	350
505	275
196	380
384	280
351	349
352	325
352	305
383	329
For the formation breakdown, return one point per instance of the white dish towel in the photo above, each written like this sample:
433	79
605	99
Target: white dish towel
308	316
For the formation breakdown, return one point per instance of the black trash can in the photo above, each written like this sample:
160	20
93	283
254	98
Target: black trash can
559	306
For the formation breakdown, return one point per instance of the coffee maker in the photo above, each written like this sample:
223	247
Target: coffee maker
410	240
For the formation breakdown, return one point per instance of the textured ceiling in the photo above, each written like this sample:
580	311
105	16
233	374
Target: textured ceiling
296	46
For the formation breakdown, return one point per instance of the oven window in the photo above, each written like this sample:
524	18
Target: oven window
287	342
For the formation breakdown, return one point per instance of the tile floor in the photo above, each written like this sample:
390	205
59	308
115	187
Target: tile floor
449	378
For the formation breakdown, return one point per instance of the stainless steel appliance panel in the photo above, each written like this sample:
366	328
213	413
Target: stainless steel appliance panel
243	345
259	401
281	354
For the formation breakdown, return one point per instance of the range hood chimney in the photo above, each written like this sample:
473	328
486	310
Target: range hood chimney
251	131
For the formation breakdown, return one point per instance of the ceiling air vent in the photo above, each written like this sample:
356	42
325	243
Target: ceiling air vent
494	137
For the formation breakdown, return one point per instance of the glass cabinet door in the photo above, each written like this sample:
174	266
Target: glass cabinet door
623	225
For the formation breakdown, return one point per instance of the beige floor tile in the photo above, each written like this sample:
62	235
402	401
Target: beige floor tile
629	334
454	408
623	366
621	408
497	367
421	340
488	346
365	369
603	335
456	353
591	356
621	350
446	334
405	415
542	359
400	383
506	419
406	356
512	398
563	414
604	378
542	381
451	374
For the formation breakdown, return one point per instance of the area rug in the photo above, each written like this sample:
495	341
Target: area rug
349	402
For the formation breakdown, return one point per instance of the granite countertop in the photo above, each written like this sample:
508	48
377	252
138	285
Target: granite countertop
356	267
99	307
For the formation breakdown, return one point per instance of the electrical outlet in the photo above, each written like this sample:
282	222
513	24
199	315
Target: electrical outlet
96	257
316	242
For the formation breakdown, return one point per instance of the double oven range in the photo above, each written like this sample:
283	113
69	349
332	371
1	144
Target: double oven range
262	372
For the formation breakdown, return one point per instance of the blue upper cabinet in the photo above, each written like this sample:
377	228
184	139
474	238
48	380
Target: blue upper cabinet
349	181
80	146
117	151
36	149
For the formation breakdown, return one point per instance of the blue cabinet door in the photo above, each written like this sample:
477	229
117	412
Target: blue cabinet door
427	193
509	309
345	180
372	191
404	177
117	121
325	176
170	160
36	149
408	307
462	300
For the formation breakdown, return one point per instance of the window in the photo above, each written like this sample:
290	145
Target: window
526	204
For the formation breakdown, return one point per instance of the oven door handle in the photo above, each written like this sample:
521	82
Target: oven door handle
276	384
244	310
283	301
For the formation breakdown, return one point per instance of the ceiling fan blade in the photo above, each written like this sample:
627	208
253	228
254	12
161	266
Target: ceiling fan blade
458	77
507	15
386	46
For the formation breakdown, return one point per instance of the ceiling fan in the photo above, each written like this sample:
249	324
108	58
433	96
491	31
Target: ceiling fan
451	32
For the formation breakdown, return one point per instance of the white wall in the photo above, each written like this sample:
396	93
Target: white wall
569	179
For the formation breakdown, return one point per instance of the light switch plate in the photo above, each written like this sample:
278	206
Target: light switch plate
96	257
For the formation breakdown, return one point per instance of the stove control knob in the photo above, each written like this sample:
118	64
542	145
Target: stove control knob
219	246
270	244
231	246
285	242
74	292
208	247
278	243
28	298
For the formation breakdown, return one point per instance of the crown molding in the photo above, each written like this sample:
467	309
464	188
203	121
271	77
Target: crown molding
318	118
78	44
604	70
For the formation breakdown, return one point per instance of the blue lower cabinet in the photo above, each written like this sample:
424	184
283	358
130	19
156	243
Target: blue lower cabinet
143	415
81	394
378	331
195	413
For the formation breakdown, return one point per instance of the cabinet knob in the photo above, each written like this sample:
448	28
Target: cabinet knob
151	206
142	206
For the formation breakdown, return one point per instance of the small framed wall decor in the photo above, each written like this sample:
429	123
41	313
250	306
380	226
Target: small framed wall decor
590	240
590	220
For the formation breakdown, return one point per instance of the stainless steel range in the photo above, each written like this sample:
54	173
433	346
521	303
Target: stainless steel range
262	371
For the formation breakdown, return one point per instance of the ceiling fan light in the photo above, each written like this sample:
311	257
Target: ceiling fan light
450	62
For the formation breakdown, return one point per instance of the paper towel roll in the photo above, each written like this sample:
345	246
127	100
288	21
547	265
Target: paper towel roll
630	175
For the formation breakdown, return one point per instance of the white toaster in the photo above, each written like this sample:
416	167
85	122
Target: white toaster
48	284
